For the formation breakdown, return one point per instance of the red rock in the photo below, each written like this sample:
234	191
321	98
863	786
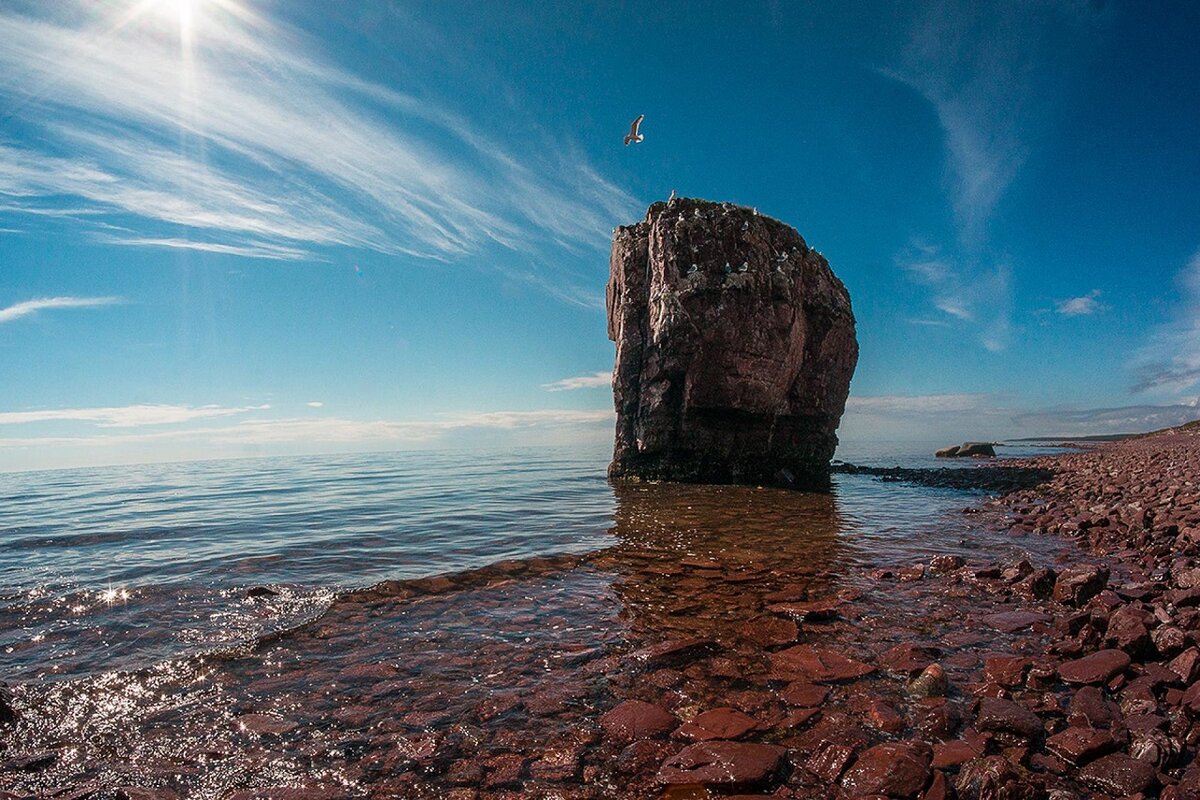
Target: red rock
1077	585
1089	707
943	564
1005	716
1186	665
951	754
829	761
905	659
746	377
805	695
1099	667
770	632
939	788
644	755
504	771
810	611
1118	774
719	723
1005	670
635	719
884	717
1080	745
727	764
818	664
894	769
1127	631
992	778
1013	621
672	651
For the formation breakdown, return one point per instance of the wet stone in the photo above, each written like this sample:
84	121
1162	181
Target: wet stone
1005	716
1099	667
894	769
770	632
992	778
818	664
1080	745
719	723
805	695
1077	585
1118	774
635	719
727	764
829	760
951	754
1013	621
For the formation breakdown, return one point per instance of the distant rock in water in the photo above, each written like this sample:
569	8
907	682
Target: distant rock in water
735	349
977	449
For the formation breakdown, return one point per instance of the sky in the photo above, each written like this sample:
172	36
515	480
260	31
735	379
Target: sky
256	227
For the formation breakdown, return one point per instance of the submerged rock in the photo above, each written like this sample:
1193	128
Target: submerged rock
725	375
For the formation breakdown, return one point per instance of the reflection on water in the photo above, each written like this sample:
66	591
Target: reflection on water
495	677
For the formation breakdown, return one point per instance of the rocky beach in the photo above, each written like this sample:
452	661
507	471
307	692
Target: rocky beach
1047	647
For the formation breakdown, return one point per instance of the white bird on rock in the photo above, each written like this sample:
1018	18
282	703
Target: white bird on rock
635	134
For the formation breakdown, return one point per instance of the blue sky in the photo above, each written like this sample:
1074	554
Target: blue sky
240	227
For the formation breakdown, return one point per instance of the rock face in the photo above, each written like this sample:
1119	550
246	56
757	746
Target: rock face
735	349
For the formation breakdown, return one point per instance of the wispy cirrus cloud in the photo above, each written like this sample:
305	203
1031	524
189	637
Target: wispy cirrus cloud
1081	306
250	142
30	307
595	380
992	74
1170	360
133	416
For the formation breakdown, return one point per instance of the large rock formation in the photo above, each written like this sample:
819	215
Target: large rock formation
735	348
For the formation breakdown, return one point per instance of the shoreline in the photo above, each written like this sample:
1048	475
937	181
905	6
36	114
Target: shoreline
638	668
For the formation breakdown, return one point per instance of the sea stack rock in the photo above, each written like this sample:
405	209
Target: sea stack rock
735	349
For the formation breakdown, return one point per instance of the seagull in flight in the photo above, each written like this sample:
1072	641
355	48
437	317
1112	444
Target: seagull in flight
634	134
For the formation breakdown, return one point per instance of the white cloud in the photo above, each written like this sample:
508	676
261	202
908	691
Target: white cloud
126	416
314	404
965	291
28	307
304	435
1170	360
1081	306
595	380
920	403
268	149
949	417
994	76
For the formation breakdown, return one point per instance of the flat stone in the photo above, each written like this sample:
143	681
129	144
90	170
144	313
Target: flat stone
818	664
894	769
953	753
635	719
1096	668
803	694
1005	716
829	760
1013	621
719	723
1118	774
724	764
1006	670
809	611
1080	745
672	651
904	659
770	632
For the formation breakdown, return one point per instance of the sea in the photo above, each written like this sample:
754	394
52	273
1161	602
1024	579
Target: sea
214	629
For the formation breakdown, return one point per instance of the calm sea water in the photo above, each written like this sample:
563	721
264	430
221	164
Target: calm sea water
116	568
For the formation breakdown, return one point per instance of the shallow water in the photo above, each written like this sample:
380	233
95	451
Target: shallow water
117	580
